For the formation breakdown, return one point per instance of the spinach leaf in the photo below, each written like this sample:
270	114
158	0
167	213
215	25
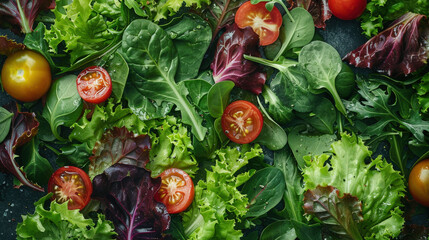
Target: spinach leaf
37	168
264	190
5	122
118	70
279	230
221	135
198	91
303	143
345	82
63	104
218	97
153	61
276	108
322	117
144	108
307	232
206	148
272	135
296	33
322	64
191	36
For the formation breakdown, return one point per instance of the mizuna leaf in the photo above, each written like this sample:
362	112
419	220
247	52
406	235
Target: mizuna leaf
340	213
8	46
24	127
119	146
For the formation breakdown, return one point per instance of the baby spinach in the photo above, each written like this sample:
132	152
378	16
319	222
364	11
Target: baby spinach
198	92
118	70
322	117
191	36
280	113
279	230
37	168
218	97
264	190
153	61
296	33
5	122
63	104
322	64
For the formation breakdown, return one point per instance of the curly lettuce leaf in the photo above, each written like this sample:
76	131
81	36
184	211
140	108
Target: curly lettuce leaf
127	194
218	204
423	92
58	222
377	185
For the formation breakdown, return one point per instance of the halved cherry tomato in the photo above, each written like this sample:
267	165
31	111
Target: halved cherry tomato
263	22
177	190
26	75
94	84
347	9
242	122
418	182
71	184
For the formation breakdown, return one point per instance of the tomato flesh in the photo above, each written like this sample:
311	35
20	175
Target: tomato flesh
242	122
418	182
176	191
71	184
263	22
94	84
26	76
347	9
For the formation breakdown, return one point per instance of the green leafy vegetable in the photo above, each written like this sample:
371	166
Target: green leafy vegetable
37	168
376	184
153	65
75	155
322	118
218	97
35	41
63	104
282	229
58	222
276	108
264	190
5	122
272	135
198	92
118	70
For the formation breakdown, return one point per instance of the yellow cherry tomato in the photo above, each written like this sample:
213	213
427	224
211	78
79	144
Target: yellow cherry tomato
418	182
26	75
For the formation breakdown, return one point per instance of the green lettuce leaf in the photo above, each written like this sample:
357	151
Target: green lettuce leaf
377	185
218	204
58	222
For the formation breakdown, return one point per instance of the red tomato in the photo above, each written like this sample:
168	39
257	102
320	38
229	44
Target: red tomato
347	9
71	184
418	182
263	22
242	122
177	190
94	84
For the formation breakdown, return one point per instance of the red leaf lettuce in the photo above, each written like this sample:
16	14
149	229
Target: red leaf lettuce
229	63
24	127
23	12
127	194
319	9
399	50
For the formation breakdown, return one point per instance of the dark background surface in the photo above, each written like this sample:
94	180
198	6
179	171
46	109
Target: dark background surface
342	35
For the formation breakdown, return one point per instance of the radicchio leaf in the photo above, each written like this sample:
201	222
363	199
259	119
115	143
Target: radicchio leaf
24	127
397	51
229	63
127	194
319	9
8	46
23	12
119	146
340	214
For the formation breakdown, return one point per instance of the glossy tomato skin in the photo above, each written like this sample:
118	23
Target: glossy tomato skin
94	84
418	182
242	122
26	75
263	22
347	9
176	191
71	184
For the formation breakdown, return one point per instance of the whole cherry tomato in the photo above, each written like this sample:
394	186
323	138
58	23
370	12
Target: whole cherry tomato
418	182
347	9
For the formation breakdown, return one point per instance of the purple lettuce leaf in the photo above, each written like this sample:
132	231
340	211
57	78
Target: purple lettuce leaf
319	9
22	13
119	146
127	196
229	63
399	50
24	127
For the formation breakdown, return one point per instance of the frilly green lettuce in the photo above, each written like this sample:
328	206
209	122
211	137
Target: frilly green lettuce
376	184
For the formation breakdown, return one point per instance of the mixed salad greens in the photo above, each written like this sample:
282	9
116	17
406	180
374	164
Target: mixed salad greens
216	119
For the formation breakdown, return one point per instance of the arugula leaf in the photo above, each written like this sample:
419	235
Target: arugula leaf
153	65
376	184
58	222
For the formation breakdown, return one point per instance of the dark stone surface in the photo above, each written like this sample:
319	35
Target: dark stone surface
343	35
